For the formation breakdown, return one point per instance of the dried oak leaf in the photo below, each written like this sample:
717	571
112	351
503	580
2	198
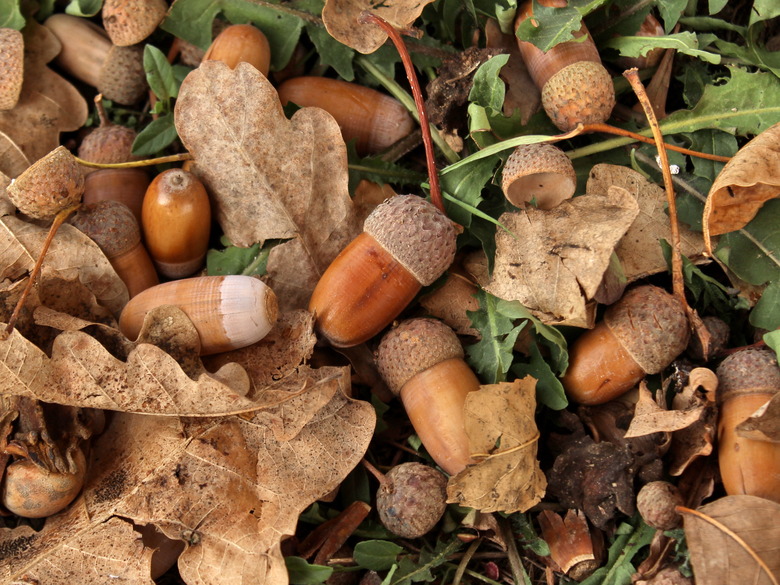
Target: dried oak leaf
48	104
503	437
13	161
735	539
639	250
749	179
764	424
225	486
553	261
342	20
269	177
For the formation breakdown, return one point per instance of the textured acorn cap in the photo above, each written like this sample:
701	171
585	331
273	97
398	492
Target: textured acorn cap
581	93
416	234
128	22
11	67
122	78
748	371
53	183
540	172
413	347
111	143
110	224
651	325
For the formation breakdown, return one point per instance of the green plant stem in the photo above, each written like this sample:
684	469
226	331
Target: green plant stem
398	93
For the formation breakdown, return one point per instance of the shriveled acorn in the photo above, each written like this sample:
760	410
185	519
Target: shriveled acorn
421	361
411	499
229	312
747	381
373	119
656	503
575	86
641	334
406	244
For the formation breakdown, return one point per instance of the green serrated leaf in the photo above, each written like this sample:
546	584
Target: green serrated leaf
712	142
618	569
766	313
85	8
300	572
671	11
379	171
772	339
157	136
549	390
159	74
376	555
466	184
524	528
488	89
11	15
332	53
411	572
686	43
233	260
550	26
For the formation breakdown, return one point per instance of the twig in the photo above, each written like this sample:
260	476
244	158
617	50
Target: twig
465	560
136	163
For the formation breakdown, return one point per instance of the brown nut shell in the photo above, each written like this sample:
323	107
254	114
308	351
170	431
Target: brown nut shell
241	43
581	93
110	224
538	172
128	22
412	347
11	67
651	325
419	236
412	499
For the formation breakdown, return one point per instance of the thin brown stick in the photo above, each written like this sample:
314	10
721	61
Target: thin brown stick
136	163
419	102
381	478
59	219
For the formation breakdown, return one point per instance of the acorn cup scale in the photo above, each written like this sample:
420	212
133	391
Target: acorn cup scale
406	243
229	312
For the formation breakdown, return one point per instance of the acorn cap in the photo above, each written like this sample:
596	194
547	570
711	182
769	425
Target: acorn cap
11	67
130	22
651	325
122	78
581	93
110	224
749	371
540	172
413	347
52	184
416	234
111	143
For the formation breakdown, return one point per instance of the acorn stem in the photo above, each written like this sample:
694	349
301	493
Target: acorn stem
136	163
368	17
380	477
101	111
59	219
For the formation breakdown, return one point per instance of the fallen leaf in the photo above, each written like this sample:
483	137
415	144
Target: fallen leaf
48	104
503	437
225	486
639	250
696	440
735	539
13	161
269	177
341	18
748	180
764	424
553	261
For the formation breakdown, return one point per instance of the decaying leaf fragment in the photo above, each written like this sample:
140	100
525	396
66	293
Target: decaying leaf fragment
503	437
553	261
748	180
764	425
341	18
735	539
269	177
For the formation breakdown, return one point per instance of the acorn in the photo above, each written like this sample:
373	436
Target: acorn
32	491
656	503
650	27
176	220
411	499
50	185
421	361
114	229
241	43
575	86
88	55
129	23
640	334
108	143
540	173
11	67
747	381
229	312
374	120
406	244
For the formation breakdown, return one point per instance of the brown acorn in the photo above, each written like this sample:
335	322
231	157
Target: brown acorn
411	499
747	381
541	173
575	86
176	220
88	54
641	334
50	185
374	120
129	22
241	43
108	143
656	503
11	67
421	361
114	229
406	244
